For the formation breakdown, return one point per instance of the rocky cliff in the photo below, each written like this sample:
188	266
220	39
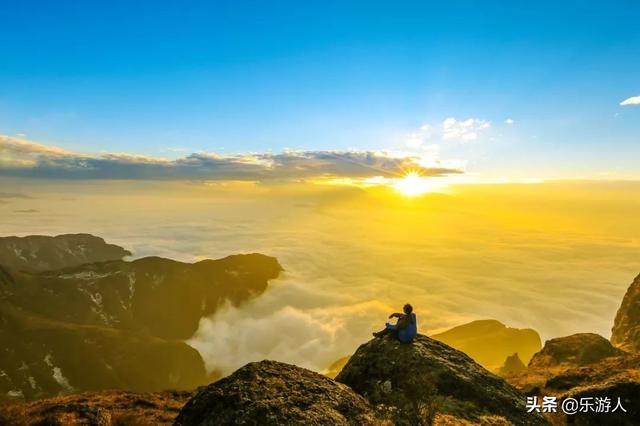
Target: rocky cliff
43	253
626	327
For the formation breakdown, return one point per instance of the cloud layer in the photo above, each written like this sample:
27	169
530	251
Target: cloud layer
24	158
553	257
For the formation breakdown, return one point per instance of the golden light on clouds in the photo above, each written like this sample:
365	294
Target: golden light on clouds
413	185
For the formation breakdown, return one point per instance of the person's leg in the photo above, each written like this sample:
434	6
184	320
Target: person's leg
381	333
389	329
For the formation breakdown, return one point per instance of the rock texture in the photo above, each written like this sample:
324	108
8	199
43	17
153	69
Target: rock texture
612	377
489	342
575	350
626	327
273	393
448	381
37	253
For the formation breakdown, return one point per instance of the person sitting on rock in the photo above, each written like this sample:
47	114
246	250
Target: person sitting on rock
405	329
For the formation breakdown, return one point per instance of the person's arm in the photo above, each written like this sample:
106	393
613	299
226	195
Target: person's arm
403	322
396	315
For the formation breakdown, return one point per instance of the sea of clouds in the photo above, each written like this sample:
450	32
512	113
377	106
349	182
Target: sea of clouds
351	258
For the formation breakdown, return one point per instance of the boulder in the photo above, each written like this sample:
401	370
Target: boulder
430	377
273	393
575	350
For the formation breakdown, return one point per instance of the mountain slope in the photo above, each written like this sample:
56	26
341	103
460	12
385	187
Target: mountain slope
489	342
115	324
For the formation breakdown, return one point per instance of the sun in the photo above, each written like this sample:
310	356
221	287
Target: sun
413	185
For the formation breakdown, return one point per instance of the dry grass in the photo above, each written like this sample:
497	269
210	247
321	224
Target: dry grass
108	408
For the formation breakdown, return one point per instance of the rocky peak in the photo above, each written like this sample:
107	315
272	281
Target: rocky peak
274	393
626	327
36	253
577	349
431	376
512	365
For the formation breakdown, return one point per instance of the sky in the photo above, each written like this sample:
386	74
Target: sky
341	138
515	90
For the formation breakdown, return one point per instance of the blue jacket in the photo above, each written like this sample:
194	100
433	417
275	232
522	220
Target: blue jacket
407	334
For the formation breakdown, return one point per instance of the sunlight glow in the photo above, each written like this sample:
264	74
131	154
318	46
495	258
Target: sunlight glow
413	185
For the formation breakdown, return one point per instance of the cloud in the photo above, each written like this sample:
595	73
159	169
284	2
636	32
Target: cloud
634	100
451	129
13	195
463	130
509	121
279	326
30	159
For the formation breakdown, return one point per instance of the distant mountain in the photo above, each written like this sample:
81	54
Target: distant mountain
161	297
38	253
336	367
489	342
115	324
626	327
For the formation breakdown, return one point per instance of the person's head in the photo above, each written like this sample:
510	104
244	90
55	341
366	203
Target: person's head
407	309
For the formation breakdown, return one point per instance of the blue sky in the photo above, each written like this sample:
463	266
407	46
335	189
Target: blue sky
171	78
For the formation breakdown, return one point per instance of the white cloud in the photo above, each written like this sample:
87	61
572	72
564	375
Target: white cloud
509	121
451	129
634	100
463	130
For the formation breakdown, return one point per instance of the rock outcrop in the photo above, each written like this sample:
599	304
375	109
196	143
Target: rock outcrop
575	350
512	365
626	327
489	342
37	253
611	377
443	379
274	393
